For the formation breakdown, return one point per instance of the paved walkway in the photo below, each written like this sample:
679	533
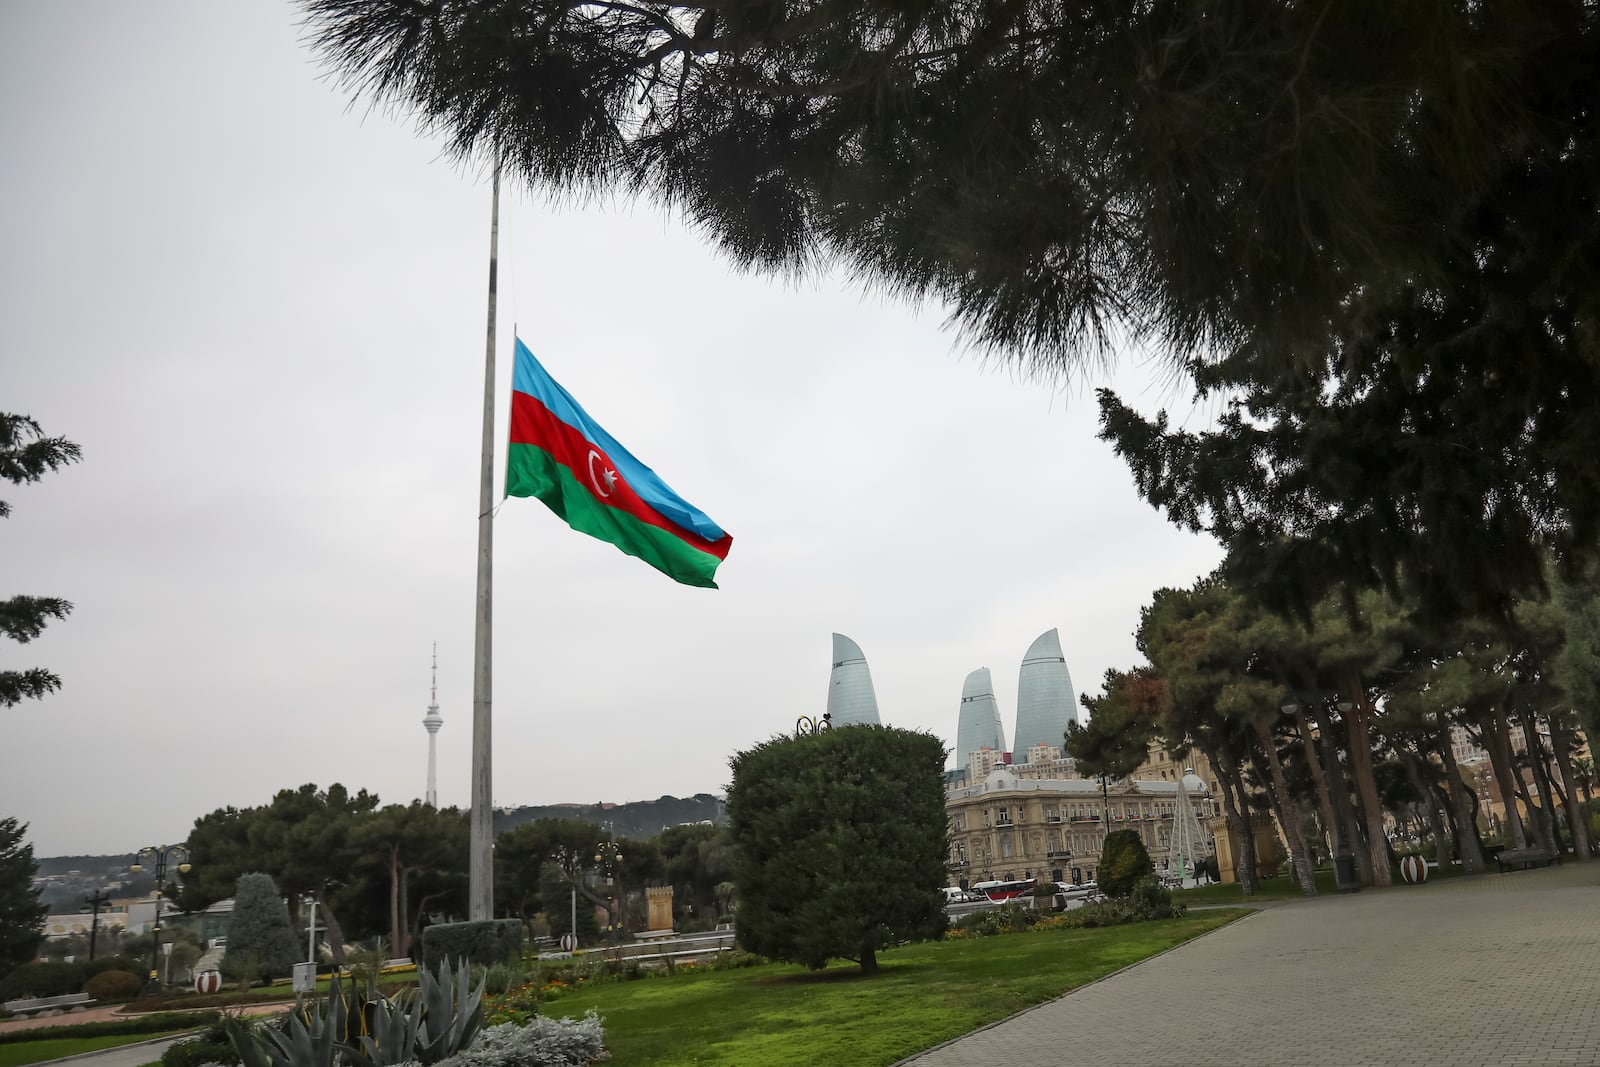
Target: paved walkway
1496	970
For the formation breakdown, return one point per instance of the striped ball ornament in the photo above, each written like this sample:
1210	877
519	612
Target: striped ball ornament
1414	869
208	982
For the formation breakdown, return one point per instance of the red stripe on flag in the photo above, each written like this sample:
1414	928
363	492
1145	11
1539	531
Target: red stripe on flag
534	424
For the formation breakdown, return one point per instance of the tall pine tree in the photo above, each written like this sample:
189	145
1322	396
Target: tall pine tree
27	455
21	912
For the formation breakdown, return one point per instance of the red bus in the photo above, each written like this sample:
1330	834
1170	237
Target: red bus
1003	891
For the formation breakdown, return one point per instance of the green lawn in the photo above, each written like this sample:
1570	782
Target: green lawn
50	1048
776	1015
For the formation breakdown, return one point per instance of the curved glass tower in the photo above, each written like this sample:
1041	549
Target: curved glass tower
851	700
979	721
1045	703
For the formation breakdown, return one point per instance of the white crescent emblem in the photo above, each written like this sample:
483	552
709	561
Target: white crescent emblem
605	475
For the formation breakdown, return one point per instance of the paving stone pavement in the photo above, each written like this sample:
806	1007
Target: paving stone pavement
1499	969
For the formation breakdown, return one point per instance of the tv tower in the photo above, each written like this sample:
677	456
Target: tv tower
432	722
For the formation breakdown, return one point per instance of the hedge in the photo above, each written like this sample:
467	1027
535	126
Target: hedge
486	941
59	979
138	1024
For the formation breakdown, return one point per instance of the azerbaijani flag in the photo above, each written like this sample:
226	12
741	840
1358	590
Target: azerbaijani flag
561	456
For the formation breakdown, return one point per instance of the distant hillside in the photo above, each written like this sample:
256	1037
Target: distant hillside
60	865
66	879
638	820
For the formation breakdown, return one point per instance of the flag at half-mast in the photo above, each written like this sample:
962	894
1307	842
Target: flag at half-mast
563	457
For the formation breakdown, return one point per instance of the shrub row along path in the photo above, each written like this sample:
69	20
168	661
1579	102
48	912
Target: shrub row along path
1498	969
114	1012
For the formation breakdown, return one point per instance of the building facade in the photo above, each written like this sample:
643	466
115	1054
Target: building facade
1010	823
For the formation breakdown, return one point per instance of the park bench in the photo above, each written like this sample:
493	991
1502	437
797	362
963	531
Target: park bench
1524	859
49	1005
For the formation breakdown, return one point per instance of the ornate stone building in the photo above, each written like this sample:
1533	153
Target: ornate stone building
1011	823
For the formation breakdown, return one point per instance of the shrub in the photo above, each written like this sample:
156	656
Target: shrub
260	929
1090	916
543	1042
154	1023
242	967
486	941
1009	919
840	839
113	985
42	980
1152	900
1123	861
212	1046
498	978
115	963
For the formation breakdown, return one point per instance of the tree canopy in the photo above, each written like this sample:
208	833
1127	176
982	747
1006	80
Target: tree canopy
21	911
27	455
840	841
1372	225
260	942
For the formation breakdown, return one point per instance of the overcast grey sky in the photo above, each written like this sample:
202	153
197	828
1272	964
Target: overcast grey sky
261	313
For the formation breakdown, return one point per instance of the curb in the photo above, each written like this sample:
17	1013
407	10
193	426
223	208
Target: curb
1046	1003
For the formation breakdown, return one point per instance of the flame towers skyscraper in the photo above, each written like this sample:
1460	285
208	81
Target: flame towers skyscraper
851	698
978	725
1045	703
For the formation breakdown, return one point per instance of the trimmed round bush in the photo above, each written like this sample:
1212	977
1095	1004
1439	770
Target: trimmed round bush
1123	861
113	985
113	963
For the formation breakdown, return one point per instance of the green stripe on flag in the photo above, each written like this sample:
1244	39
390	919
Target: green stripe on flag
532	471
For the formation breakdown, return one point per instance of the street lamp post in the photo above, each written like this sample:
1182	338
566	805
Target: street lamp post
95	901
607	856
807	724
159	857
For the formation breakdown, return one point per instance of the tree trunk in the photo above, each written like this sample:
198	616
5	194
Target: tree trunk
1345	826
869	960
331	925
1284	804
1496	738
1314	761
1462	800
395	914
414	932
1561	743
1441	841
1240	830
403	947
1360	740
1545	817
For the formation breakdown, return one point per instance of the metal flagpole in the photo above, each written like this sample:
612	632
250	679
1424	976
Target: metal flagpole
480	891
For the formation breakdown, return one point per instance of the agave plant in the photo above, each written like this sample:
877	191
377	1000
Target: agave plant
441	1018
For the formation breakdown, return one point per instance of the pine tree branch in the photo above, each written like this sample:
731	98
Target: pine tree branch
16	686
